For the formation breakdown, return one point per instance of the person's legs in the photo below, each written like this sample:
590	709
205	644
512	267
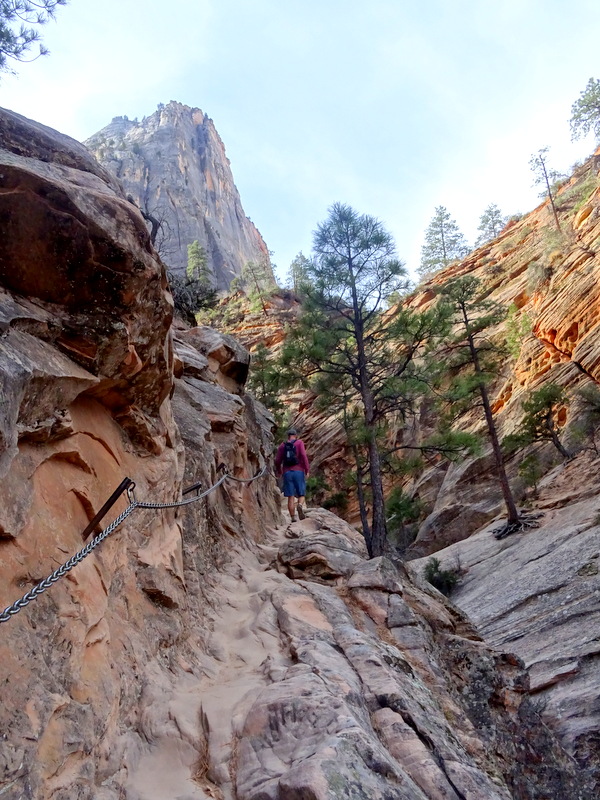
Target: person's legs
289	491
300	486
291	508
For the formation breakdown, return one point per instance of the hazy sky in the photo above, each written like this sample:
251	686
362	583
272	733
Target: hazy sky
392	106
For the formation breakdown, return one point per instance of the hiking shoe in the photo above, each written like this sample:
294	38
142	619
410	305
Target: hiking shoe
301	513
293	519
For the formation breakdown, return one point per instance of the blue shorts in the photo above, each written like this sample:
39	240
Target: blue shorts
294	484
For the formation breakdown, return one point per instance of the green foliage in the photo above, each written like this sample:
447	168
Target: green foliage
18	31
401	508
585	111
538	275
444	580
473	359
317	489
576	196
491	222
518	327
360	361
298	274
444	243
544	175
540	419
265	382
197	263
402	513
588	424
338	500
531	470
190	296
257	282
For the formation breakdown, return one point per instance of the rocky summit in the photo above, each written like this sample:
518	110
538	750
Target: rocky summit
173	165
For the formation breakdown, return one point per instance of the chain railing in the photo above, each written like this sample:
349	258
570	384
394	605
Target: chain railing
126	485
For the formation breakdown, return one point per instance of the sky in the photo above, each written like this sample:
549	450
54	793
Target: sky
392	106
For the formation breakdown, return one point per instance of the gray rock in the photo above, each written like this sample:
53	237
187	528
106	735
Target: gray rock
173	165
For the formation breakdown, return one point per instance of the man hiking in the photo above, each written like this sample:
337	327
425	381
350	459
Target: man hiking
291	461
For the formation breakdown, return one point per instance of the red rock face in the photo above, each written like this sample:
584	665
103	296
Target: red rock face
86	378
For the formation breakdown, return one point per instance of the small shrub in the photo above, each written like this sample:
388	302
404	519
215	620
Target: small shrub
538	275
518	326
444	580
190	296
337	500
316	488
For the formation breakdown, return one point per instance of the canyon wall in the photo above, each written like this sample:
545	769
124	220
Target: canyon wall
87	376
173	165
209	651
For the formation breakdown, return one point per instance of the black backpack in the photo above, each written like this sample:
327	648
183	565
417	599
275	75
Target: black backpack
290	457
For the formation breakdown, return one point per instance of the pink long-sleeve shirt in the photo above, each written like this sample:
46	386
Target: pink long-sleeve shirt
301	466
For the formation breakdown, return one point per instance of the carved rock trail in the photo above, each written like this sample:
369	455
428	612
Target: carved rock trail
339	682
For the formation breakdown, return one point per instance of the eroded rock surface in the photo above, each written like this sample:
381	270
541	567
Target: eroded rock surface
537	594
202	653
356	683
86	376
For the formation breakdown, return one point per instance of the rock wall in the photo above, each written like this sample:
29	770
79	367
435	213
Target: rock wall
536	594
87	372
173	165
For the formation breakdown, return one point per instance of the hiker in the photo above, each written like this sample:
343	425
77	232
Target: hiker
291	461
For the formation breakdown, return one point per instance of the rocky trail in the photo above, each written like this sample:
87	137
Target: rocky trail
325	676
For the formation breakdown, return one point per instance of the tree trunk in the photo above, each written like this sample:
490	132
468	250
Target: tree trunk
378	526
551	198
557	442
511	508
362	503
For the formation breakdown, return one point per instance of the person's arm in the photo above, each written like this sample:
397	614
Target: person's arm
279	459
302	457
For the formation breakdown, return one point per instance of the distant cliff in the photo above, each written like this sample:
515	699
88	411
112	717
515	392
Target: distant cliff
173	165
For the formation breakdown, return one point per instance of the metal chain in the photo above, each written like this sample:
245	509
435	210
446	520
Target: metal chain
66	567
41	587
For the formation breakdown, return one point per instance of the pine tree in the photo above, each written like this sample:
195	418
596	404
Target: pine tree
17	31
444	243
266	381
585	111
197	264
491	223
473	360
540	419
258	281
547	177
297	277
344	338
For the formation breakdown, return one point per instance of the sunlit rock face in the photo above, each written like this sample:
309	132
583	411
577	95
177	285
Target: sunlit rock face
173	165
550	277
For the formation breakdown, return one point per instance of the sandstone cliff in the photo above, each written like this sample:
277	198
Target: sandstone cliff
209	652
173	164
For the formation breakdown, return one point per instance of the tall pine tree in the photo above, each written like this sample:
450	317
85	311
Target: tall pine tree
472	360
491	223
345	337
444	243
